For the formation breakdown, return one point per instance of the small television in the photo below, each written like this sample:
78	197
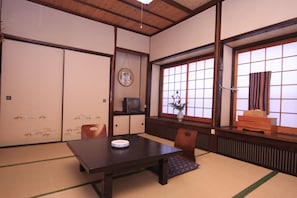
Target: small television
131	105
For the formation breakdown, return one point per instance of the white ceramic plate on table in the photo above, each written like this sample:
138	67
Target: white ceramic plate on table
120	143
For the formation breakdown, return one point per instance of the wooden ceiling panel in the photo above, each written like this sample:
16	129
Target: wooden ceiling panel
130	14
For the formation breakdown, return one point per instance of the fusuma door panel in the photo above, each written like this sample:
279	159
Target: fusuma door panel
86	92
31	93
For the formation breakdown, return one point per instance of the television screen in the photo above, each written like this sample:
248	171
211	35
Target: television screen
131	105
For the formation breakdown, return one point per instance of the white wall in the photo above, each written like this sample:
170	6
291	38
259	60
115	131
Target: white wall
197	31
133	41
29	20
240	16
155	90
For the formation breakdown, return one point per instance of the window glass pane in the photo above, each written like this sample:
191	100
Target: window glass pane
207	113
289	106
290	77
166	79
200	65
184	68
258	55
177	77
209	73
171	86
243	81
276	78
171	71
184	76
165	87
289	91
243	92
183	85
274	52
192	66
289	120
177	86
166	100
166	72
164	109
191	93
191	84
243	69
183	94
192	75
198	112
165	94
290	63
242	104
191	103
258	67
208	93
275	91
200	74
199	93
290	49
199	84
207	103
274	106
209	63
274	65
191	111
199	102
244	57
177	70
209	83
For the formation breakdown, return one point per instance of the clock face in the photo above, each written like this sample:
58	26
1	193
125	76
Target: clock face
125	77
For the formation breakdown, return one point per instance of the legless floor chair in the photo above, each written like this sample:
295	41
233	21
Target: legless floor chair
93	131
185	162
186	140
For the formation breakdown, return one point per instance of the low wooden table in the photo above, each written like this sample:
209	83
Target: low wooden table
97	155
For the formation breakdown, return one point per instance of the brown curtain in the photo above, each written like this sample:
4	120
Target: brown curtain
259	91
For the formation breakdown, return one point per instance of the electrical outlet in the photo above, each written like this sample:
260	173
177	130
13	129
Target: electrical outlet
213	131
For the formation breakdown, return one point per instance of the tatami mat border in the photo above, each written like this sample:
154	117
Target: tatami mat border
37	161
255	185
72	187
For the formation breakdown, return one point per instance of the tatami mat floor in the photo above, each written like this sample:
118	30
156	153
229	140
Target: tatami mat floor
51	170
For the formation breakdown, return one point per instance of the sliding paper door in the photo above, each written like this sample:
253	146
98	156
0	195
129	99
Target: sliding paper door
31	93
86	92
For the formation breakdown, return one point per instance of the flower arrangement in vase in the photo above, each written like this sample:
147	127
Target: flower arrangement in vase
178	105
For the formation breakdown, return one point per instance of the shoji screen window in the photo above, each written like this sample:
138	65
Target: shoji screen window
281	59
193	81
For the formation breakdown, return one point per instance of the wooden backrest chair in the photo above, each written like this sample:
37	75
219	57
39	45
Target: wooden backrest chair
186	140
93	131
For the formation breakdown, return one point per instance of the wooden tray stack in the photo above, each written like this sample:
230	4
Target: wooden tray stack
256	120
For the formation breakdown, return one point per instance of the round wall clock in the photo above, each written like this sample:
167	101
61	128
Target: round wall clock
125	77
